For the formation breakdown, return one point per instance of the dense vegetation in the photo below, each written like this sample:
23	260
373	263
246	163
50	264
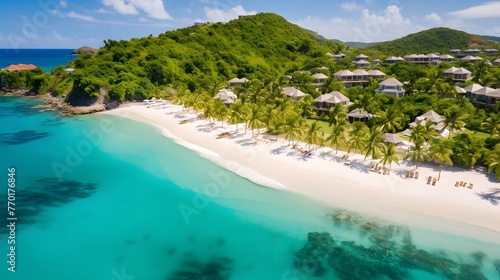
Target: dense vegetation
436	40
190	65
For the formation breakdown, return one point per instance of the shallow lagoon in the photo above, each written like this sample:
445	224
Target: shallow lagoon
131	205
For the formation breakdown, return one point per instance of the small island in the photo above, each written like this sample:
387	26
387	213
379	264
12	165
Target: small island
84	49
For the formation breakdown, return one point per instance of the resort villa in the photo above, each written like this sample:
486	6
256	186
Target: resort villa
471	58
459	75
237	82
482	96
362	63
357	77
472	52
393	59
490	51
361	57
227	96
358	115
437	121
326	101
319	80
391	86
294	93
19	67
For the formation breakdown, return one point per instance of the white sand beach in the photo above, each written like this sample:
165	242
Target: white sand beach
326	177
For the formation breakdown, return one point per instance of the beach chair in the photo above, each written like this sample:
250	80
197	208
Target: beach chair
457	184
434	180
461	183
464	185
416	174
429	180
412	174
471	185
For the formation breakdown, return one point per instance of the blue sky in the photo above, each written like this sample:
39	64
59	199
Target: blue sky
72	23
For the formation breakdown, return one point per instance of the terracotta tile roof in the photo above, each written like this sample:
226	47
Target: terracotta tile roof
19	67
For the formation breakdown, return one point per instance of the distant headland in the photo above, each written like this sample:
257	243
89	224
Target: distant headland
84	49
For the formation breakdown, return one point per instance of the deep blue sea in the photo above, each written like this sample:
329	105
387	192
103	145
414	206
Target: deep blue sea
45	58
103	197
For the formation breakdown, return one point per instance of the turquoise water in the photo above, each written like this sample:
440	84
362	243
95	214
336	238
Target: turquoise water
45	58
101	197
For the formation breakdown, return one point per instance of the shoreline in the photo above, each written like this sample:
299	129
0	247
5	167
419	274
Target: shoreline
324	177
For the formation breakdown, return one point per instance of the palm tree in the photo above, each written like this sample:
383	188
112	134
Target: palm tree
255	116
389	155
390	120
418	153
275	123
337	114
209	110
492	124
294	128
337	135
314	134
471	153
447	90
244	89
374	143
418	134
493	161
453	119
480	70
236	114
429	133
441	152
357	136
364	102
221	111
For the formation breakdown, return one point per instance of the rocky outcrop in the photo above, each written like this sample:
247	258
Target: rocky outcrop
84	49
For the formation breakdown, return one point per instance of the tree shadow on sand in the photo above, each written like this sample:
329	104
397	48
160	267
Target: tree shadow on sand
493	196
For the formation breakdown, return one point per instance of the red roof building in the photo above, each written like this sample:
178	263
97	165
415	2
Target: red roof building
19	67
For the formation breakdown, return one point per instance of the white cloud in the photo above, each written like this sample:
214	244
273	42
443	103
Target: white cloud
487	10
369	27
102	11
153	8
433	17
54	36
82	17
351	6
63	4
218	15
72	14
121	7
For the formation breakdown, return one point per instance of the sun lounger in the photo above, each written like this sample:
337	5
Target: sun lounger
429	180
411	174
471	185
464	185
434	180
416	175
461	183
457	184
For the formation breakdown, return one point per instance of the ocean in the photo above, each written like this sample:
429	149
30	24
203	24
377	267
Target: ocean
103	197
45	58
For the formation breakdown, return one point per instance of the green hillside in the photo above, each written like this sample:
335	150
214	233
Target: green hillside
433	40
495	39
263	46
